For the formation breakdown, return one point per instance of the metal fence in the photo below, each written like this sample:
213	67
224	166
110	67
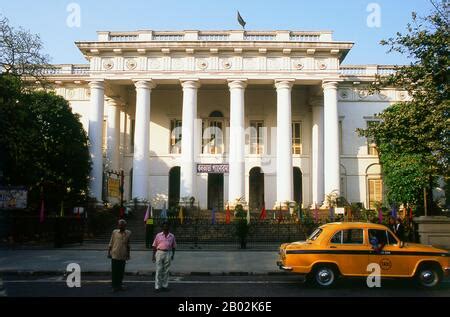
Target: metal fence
56	230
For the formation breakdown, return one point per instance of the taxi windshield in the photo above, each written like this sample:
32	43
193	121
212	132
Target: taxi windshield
315	234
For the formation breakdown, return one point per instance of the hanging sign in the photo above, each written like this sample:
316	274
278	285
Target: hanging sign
213	168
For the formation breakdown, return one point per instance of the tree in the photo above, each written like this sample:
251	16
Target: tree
43	144
413	136
21	53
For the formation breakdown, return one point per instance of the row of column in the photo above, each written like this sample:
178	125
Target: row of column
325	140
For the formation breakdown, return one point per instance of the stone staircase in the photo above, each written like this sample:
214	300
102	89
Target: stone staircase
204	232
135	223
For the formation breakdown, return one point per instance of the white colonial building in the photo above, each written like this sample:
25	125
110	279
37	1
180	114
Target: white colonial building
270	116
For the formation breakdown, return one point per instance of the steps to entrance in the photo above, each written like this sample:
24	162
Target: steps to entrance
198	228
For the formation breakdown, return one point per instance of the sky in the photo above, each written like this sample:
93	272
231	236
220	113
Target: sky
347	18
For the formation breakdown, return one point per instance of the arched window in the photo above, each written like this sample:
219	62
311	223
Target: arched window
213	133
216	114
256	188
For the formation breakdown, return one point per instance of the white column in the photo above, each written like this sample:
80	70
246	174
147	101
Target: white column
142	140
113	134
96	138
188	173
331	138
285	190
317	152
236	177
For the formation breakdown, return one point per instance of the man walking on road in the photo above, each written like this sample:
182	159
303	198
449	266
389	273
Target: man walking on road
163	245
119	253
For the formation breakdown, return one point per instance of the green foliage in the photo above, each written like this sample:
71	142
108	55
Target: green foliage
405	176
43	145
413	136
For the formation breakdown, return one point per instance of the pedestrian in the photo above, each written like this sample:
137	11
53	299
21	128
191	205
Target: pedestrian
119	253
164	247
392	224
400	229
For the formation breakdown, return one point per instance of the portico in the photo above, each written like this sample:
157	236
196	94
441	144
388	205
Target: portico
234	146
220	115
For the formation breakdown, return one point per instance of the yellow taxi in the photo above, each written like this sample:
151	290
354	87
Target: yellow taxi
346	249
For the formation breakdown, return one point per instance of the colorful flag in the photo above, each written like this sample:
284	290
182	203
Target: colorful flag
147	213
380	215
42	212
213	221
180	215
228	215
263	213
394	211
248	216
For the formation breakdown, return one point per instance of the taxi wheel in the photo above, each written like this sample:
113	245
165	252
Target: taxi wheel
428	276
325	276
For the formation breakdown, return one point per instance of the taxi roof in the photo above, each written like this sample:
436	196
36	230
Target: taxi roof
354	225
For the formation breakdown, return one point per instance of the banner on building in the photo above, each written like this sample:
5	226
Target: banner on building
13	198
213	168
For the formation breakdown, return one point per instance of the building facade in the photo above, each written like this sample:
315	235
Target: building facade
269	117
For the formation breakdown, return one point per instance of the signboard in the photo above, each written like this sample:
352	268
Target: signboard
13	198
113	187
213	168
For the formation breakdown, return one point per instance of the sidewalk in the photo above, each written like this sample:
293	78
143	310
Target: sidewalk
95	262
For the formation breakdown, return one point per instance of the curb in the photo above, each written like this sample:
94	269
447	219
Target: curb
139	273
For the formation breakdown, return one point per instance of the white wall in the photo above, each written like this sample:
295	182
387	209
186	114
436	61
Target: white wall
354	156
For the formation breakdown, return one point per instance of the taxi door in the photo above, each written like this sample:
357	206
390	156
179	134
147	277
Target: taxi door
390	258
349	249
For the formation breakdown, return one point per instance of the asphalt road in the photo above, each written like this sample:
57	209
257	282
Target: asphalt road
211	286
